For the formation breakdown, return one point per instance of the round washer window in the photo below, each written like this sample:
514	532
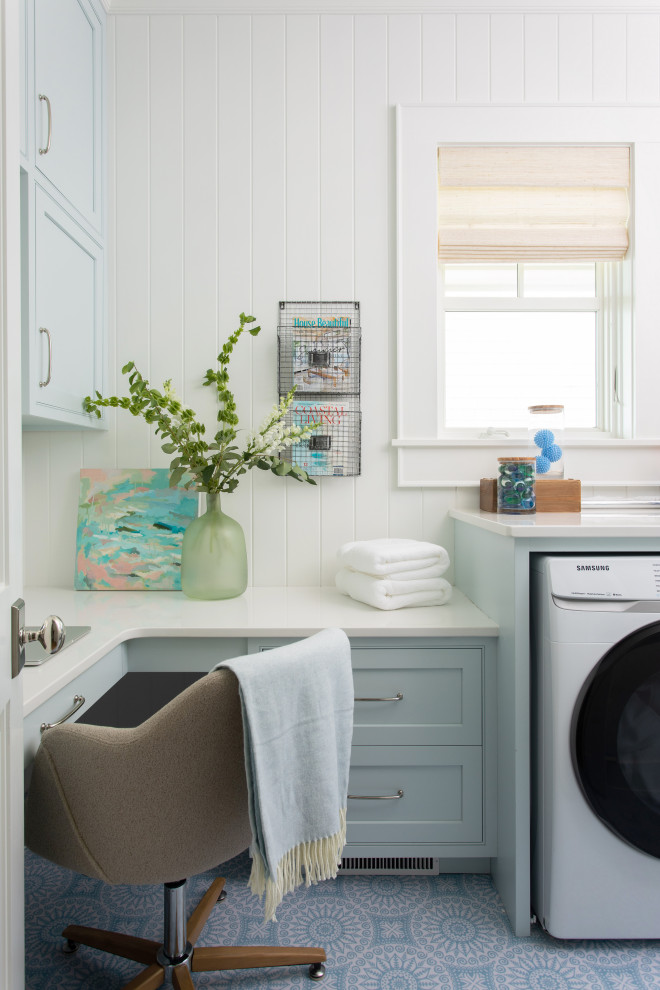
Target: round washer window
616	739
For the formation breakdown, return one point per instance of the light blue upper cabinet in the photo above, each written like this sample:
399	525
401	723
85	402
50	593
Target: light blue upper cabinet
62	349
62	211
68	64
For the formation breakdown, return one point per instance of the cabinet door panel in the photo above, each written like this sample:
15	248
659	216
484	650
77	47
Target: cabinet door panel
68	288
67	53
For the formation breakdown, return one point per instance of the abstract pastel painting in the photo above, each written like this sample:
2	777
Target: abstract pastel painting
130	530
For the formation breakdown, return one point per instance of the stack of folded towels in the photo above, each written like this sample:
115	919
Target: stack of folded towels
393	573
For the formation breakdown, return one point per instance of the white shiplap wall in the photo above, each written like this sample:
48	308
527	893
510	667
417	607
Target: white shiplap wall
251	159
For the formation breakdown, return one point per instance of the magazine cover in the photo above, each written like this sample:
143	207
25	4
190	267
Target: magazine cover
333	448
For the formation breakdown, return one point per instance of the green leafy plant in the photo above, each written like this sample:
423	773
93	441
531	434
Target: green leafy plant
216	466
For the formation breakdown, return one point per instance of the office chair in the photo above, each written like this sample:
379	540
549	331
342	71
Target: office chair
154	804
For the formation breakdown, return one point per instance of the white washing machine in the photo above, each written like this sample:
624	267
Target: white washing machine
596	745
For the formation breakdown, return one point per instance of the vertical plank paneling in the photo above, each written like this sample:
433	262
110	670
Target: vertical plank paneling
437	527
303	258
200	214
472	58
541	82
65	464
575	58
132	221
269	494
372	259
165	210
235	226
100	446
507	58
337	241
404	86
643	58
609	54
36	508
439	58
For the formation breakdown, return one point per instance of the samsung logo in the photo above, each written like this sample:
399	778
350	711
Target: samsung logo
592	567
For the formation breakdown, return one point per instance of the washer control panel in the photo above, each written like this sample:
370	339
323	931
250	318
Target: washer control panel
605	578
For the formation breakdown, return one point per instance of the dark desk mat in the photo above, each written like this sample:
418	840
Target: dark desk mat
136	697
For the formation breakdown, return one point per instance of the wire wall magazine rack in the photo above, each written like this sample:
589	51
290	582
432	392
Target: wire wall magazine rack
319	353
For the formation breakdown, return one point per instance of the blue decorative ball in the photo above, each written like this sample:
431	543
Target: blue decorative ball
553	452
544	438
542	464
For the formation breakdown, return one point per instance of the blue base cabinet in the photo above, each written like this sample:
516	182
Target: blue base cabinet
422	780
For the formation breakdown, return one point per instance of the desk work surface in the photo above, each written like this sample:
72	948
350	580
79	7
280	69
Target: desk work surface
117	617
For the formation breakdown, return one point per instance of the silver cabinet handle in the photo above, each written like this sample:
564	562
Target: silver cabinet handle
78	702
50	356
376	797
399	697
44	151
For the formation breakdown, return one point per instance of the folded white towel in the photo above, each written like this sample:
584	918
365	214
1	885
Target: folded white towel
391	555
428	570
387	594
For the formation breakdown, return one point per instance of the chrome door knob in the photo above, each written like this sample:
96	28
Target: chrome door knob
51	634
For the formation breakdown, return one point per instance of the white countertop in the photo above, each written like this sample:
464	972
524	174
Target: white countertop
612	524
119	616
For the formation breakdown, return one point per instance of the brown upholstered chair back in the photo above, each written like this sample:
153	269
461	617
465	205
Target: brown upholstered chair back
153	804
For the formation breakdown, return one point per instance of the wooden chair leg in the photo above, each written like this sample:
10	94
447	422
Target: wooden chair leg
200	915
219	957
140	950
148	979
182	979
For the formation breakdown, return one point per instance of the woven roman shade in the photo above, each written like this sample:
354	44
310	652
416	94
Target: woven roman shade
533	203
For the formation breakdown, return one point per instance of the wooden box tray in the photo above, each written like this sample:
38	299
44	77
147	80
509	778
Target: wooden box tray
552	495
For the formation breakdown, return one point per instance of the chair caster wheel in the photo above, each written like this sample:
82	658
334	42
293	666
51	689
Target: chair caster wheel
70	946
222	896
316	971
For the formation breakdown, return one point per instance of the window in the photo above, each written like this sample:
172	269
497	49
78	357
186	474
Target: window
623	447
515	335
520	229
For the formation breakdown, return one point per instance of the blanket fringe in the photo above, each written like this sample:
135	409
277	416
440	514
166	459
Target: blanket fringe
319	858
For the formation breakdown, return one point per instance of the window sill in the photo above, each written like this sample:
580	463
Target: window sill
507	442
457	463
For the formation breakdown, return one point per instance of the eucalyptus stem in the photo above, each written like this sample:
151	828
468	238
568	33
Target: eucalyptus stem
217	466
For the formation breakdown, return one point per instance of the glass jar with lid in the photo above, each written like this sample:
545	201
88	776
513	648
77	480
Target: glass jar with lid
546	433
516	491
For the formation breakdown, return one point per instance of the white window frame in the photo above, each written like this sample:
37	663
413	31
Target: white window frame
598	458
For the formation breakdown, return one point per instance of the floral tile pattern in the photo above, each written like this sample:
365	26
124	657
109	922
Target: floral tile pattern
380	933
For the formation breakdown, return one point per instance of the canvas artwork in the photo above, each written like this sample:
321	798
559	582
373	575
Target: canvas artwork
130	530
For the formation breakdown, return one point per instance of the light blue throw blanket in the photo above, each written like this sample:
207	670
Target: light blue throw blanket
297	704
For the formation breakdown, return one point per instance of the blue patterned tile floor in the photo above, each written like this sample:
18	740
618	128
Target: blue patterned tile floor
380	933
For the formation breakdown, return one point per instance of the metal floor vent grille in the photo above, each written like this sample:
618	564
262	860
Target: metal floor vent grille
406	865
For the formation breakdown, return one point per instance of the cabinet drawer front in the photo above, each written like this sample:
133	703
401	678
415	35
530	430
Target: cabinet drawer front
441	703
91	685
442	794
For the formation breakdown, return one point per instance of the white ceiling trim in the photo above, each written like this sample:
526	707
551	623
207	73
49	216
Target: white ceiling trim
380	6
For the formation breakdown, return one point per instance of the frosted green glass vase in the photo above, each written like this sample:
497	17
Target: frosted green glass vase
213	555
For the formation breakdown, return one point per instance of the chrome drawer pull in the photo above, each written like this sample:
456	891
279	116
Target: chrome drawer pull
78	702
44	151
376	797
399	697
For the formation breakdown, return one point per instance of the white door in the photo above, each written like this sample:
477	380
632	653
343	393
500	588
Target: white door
11	551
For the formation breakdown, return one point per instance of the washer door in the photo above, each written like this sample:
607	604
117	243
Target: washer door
615	742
